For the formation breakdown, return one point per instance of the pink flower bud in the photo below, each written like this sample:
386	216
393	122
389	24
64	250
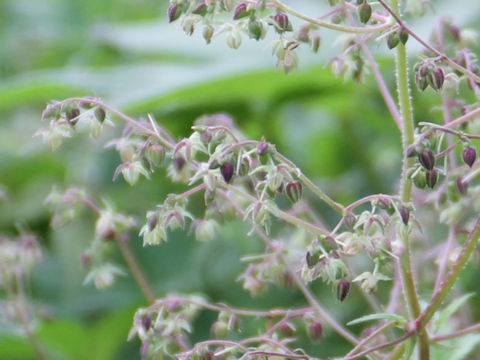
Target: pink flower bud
294	190
174	12
282	21
315	330
240	11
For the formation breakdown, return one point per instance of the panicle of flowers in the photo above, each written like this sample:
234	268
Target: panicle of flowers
171	215
17	257
163	327
65	118
65	205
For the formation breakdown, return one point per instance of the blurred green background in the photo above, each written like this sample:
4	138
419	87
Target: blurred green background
339	133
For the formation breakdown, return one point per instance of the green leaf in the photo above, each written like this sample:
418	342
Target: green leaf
448	311
382	316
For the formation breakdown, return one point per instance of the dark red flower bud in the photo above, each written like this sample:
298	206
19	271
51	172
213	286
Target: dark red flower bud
343	288
179	162
462	186
315	330
427	159
227	170
431	177
282	21
405	215
174	12
294	191
469	155
146	322
240	11
364	12
438	77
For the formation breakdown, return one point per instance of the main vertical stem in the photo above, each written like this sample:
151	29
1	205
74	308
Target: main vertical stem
406	185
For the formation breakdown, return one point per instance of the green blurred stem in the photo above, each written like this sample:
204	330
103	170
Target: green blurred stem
22	310
406	183
348	29
129	257
311	185
446	285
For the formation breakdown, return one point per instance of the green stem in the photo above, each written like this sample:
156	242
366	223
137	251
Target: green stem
349	29
406	185
455	271
311	185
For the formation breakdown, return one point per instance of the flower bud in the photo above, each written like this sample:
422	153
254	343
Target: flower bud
227	170
155	154
405	215
174	12
364	12
427	159
403	35
437	78
234	39
179	162
431	178
282	22
422	82
343	288
469	155
200	8
462	186
392	40
240	11
228	4
312	258
255	29
315	330
384	202
294	190
315	42
100	115
208	32
350	220
146	322
72	116
152	221
262	148
219	330
419	180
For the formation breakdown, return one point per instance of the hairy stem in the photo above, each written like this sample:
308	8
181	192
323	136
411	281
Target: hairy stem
406	183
